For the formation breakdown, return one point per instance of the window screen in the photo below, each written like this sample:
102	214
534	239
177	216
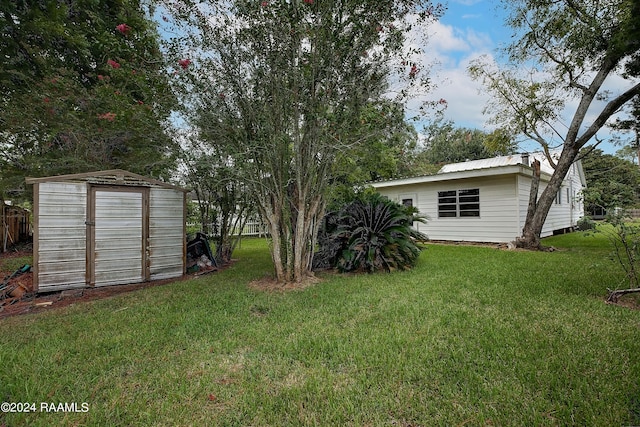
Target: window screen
459	203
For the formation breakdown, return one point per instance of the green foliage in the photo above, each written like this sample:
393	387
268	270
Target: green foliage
387	143
612	182
449	144
631	124
84	87
297	88
624	236
586	223
369	234
223	203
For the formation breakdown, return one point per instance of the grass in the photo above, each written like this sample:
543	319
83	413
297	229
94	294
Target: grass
471	336
13	263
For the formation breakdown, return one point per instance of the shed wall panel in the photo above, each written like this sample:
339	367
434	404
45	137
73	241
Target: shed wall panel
118	237
61	232
166	233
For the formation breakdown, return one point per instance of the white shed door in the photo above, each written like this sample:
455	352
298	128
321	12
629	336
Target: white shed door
118	238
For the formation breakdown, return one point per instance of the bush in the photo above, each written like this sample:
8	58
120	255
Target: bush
586	223
369	234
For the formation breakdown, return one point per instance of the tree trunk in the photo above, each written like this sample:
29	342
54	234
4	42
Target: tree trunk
300	246
272	219
538	210
529	238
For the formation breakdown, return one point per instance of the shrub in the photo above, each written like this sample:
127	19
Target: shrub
369	234
586	223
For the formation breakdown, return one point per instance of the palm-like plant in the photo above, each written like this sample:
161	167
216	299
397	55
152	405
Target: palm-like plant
371	233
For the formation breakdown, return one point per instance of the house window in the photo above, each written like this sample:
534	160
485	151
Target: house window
459	203
559	197
407	202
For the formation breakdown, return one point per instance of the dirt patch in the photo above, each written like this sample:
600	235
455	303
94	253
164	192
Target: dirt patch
631	301
30	302
33	303
270	284
502	246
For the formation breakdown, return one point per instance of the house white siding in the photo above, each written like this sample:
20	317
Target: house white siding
523	187
60	234
498	220
568	208
503	185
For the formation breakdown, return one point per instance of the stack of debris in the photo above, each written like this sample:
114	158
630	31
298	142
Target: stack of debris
200	260
12	289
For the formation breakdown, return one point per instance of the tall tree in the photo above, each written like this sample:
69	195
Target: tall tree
83	87
449	144
289	80
388	146
631	124
577	48
612	182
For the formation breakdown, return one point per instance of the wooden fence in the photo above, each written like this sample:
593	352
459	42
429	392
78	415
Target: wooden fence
251	228
14	226
633	213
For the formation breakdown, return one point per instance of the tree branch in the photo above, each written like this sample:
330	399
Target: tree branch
612	107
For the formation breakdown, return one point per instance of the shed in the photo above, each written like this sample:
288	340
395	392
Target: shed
106	228
486	200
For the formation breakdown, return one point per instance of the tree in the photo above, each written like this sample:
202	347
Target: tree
83	86
289	81
448	144
613	182
578	47
224	203
631	124
386	151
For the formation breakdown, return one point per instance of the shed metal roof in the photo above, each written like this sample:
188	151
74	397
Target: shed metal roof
112	176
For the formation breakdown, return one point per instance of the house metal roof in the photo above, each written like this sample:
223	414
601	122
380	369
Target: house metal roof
493	162
500	165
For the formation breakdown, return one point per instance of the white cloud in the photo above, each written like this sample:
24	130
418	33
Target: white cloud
468	2
465	97
444	39
452	49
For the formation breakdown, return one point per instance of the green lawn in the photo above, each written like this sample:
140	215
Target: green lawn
472	336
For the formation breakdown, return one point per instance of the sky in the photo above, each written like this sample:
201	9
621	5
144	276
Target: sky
468	30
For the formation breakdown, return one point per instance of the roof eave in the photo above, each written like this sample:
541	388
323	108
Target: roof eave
474	173
120	174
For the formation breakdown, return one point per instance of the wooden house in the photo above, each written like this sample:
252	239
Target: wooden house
486	200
